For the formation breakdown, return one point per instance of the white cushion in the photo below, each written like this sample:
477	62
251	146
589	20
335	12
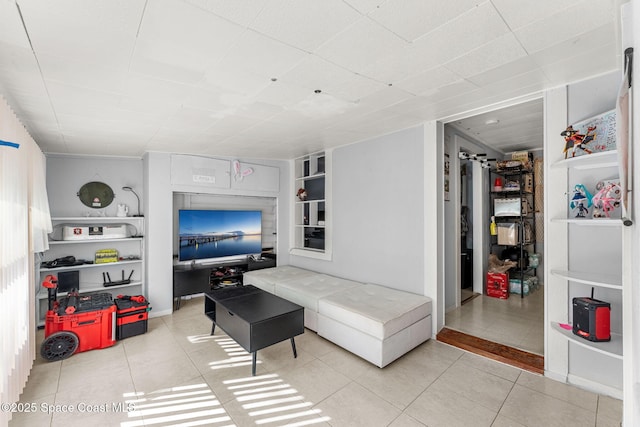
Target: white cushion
375	310
307	290
266	279
376	351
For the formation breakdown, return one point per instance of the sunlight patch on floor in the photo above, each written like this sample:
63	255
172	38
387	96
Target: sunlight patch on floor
269	399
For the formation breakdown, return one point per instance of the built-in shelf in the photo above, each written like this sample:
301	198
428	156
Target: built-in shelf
589	161
94	265
592	279
97	287
597	222
314	176
66	242
611	348
97	219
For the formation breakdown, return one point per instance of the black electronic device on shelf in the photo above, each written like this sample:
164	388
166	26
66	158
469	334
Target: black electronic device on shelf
108	282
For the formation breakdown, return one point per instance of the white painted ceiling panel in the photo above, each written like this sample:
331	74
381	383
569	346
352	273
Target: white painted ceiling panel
567	24
500	51
564	70
181	36
262	56
75	29
305	25
362	44
216	77
566	49
504	72
411	19
365	6
518	14
241	12
315	73
464	34
428	81
11	30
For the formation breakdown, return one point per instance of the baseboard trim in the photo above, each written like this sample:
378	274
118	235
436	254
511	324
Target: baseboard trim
512	356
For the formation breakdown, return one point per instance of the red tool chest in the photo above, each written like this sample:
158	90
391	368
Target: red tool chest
131	317
498	285
90	317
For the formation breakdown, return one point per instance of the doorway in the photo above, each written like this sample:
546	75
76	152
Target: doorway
515	322
466	232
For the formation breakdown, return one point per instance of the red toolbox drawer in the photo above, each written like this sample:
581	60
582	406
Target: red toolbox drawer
131	318
498	285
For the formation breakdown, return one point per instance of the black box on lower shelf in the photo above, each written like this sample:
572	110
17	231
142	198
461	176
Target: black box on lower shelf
131	318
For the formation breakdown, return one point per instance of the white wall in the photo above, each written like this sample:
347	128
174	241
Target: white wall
66	174
378	212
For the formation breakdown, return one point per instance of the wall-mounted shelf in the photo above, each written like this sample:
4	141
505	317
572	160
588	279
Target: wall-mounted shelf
589	161
68	242
611	348
598	222
592	279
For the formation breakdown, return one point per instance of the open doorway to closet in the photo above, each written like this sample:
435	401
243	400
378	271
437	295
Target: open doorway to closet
518	321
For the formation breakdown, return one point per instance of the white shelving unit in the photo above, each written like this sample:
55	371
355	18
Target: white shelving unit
312	226
91	276
592	260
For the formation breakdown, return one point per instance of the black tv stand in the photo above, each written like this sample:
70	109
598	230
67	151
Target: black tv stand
197	278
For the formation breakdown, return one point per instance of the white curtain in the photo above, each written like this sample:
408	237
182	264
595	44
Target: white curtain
24	224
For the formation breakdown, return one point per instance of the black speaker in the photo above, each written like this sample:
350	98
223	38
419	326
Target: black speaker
68	280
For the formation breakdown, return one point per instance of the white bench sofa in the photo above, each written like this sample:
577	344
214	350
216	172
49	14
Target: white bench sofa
377	323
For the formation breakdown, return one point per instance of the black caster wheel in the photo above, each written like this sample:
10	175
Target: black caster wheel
58	346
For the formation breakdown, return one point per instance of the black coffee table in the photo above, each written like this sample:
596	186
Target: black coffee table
254	318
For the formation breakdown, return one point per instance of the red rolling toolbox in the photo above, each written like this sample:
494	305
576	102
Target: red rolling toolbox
132	315
78	323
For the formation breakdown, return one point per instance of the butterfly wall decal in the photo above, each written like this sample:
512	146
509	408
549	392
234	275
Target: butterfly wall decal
238	173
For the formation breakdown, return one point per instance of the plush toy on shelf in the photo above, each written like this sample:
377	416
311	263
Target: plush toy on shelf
302	194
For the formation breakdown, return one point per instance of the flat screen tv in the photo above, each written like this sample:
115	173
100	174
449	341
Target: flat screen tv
211	234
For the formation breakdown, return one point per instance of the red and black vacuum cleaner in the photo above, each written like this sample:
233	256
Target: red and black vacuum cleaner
76	323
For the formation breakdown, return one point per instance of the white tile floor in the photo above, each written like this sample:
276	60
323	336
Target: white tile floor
177	374
516	322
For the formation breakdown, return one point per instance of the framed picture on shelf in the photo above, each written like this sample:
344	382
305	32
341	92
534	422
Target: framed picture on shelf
593	135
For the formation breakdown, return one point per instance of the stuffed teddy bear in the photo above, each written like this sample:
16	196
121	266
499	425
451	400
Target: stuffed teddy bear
302	194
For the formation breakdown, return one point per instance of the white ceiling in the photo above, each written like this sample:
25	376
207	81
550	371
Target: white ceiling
515	128
239	77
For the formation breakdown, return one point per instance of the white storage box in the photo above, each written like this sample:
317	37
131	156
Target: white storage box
94	232
507	207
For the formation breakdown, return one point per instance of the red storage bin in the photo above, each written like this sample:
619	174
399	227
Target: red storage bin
498	285
131	318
